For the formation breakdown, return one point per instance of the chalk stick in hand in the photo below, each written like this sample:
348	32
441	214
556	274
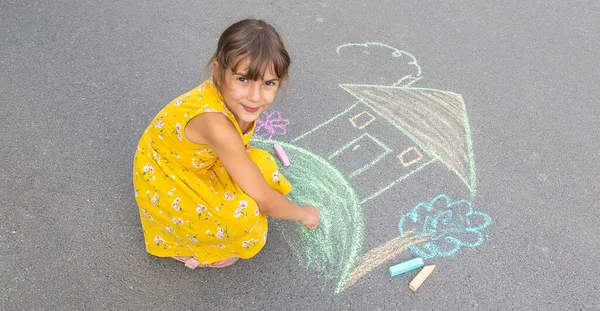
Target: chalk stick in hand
281	155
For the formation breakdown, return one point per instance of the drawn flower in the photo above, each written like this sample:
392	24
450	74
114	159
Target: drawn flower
273	124
159	124
238	213
451	225
243	204
229	196
275	177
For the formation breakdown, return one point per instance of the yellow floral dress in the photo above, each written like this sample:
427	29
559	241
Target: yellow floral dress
188	203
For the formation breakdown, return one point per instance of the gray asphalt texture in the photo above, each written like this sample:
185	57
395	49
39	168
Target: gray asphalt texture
80	80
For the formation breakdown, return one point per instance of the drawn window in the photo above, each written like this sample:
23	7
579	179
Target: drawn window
362	119
410	156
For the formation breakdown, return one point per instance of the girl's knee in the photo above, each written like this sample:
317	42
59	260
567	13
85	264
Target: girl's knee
263	159
268	166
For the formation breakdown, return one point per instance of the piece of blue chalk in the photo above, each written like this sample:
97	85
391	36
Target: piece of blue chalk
406	266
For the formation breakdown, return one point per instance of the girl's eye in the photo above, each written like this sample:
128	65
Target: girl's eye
271	83
242	79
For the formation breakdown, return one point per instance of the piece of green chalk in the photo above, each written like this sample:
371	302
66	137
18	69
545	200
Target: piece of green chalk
406	266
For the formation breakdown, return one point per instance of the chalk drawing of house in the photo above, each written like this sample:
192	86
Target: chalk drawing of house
433	126
390	133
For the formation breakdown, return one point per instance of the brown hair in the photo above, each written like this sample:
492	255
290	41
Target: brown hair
255	40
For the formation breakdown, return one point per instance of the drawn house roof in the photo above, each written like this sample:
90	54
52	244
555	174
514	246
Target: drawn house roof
435	120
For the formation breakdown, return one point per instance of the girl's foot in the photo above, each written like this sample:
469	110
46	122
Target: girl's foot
224	263
189	261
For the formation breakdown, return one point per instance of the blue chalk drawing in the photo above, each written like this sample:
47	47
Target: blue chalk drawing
451	226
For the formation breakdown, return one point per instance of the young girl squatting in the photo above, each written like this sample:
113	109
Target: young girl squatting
203	192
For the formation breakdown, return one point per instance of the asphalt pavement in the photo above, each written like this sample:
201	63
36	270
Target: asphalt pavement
464	133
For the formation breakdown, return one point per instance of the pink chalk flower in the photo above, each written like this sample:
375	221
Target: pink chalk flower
272	124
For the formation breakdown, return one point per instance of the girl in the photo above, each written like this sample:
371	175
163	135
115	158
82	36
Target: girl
202	191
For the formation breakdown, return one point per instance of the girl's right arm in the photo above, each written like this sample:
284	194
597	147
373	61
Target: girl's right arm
217	131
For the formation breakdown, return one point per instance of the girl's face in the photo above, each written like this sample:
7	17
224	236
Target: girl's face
245	98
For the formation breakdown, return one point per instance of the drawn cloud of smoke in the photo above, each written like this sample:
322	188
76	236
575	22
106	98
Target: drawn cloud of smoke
377	63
